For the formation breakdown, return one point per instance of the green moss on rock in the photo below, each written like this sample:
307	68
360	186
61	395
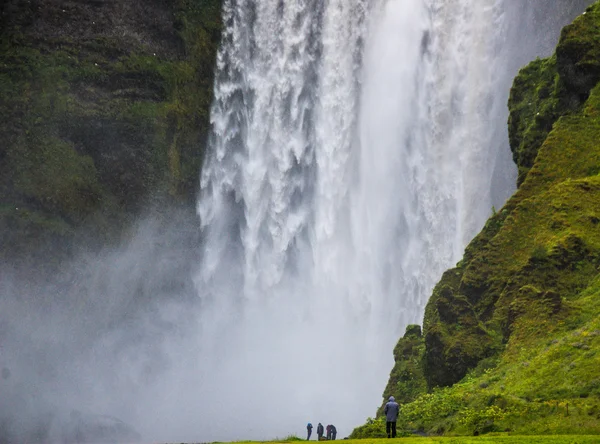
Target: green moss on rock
549	88
534	107
104	109
407	379
578	54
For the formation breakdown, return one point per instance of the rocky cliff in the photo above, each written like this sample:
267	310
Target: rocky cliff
104	110
511	336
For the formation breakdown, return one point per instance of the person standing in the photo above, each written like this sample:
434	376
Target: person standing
309	430
320	431
328	428
333	432
392	409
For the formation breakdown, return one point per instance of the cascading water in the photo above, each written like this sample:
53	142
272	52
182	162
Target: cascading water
357	148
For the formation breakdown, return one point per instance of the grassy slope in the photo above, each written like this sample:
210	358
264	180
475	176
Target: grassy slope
104	108
512	335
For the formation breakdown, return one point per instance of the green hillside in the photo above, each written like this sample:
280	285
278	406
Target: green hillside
511	336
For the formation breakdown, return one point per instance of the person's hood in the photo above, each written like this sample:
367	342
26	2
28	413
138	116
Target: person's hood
392	399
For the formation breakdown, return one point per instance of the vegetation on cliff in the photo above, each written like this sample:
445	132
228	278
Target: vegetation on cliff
511	336
104	110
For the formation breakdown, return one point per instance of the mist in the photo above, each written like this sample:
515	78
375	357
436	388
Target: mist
95	336
352	175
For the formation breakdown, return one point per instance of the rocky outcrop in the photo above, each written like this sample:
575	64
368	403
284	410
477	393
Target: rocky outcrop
407	380
550	88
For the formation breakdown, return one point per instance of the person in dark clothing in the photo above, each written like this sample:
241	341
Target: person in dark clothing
309	430
320	431
392	409
328	428
333	432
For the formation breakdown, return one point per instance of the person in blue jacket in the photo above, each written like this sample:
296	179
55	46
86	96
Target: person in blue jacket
392	409
309	430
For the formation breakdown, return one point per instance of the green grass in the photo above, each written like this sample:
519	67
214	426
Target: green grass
500	438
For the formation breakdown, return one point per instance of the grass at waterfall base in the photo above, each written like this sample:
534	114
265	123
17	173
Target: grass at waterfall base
501	439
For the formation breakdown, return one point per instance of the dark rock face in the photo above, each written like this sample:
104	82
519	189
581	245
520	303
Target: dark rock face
578	55
150	23
457	341
407	381
104	111
550	88
534	109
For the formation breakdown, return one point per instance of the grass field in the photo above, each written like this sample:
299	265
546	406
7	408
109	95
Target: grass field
565	439
501	439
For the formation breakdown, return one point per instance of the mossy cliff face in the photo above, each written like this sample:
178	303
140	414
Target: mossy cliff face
104	110
549	88
511	335
407	380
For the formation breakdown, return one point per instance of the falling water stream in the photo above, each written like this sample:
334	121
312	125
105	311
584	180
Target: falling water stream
357	147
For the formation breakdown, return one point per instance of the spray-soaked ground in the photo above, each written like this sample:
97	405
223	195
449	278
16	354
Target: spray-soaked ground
357	147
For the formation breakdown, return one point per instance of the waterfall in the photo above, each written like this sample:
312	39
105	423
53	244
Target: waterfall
357	146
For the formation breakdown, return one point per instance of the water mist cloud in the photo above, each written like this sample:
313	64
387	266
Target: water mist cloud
93	337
